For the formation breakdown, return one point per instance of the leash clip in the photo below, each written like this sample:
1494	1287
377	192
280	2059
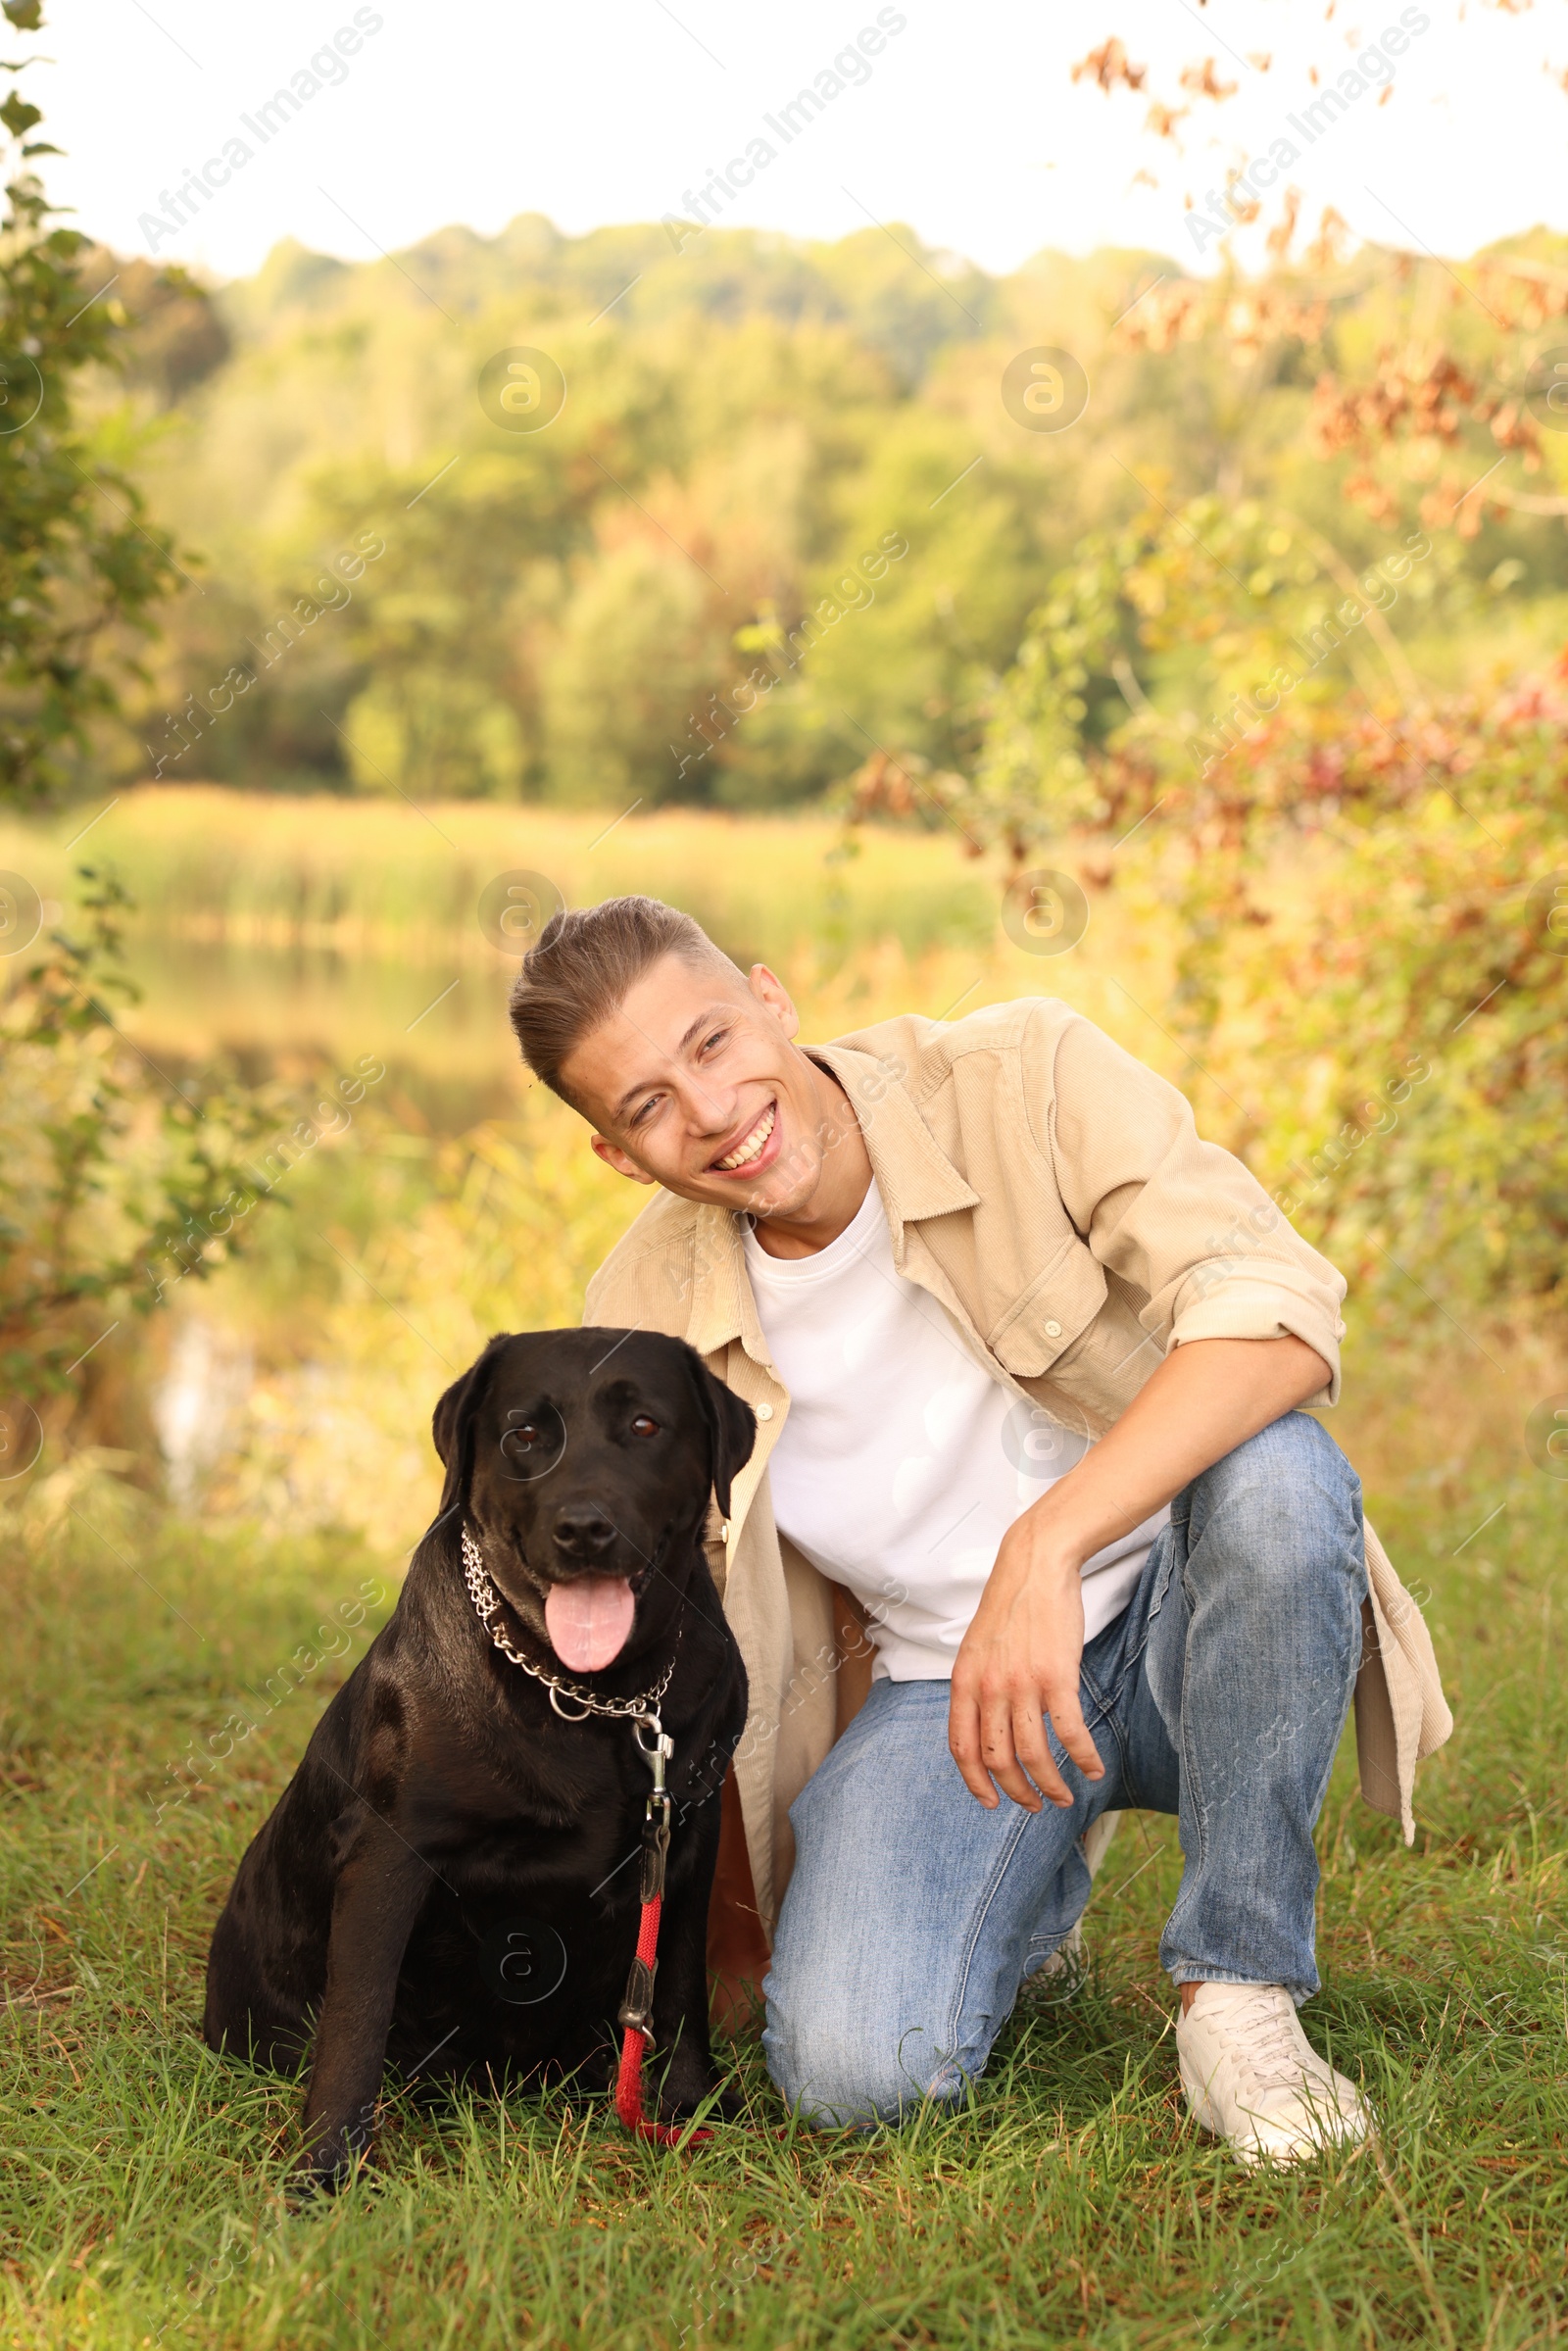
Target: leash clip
655	1752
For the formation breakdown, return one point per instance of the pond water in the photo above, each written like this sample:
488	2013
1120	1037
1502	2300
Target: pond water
299	1012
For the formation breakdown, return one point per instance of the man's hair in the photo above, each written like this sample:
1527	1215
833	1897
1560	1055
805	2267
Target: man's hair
584	966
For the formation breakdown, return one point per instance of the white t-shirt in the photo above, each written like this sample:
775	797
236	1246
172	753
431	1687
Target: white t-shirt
902	1462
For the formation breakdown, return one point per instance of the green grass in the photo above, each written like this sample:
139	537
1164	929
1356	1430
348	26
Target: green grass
143	2193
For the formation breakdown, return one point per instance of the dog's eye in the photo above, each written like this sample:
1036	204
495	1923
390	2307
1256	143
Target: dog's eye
642	1426
532	1446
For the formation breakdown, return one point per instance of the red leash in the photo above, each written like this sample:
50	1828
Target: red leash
637	2008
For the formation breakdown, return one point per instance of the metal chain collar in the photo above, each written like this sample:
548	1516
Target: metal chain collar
643	1709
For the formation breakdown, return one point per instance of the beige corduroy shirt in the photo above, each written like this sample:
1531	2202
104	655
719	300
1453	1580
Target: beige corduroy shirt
1055	1195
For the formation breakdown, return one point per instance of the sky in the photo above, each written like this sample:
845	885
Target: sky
964	124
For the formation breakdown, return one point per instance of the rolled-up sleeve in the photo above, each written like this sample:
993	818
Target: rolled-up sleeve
1180	1221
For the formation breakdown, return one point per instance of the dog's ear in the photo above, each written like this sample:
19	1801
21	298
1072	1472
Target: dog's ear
452	1423
731	1431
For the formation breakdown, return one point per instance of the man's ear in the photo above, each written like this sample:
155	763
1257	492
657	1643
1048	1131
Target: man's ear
731	1430
452	1423
621	1161
770	991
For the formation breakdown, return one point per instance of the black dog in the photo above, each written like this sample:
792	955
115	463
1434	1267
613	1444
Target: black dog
450	1880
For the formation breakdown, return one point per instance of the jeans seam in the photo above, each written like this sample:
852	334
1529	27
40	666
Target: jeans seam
1103	1705
1124	1775
1191	1778
1111	1718
1129	1666
1352	1643
1130	1657
1104	1711
977	1924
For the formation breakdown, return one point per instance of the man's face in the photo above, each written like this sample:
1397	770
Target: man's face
695	1084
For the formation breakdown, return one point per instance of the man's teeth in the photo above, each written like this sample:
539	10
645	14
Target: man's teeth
748	1151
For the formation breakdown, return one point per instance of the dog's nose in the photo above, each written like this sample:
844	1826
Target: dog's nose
583	1534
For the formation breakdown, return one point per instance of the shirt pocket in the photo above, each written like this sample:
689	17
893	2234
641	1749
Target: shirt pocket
1057	1307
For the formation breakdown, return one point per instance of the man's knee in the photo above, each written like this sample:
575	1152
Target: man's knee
1285	1502
844	2071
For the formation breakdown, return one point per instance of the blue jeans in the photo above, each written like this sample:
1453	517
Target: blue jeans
914	1913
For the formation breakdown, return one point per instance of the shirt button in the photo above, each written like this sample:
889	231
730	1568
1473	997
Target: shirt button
763	1411
1053	1330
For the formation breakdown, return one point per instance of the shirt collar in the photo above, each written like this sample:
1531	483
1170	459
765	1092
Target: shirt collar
914	1176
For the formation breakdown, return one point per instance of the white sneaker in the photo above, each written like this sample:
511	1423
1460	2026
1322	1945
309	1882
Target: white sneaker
1253	2077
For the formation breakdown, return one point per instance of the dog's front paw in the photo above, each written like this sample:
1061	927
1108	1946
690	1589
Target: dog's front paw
326	2167
691	2086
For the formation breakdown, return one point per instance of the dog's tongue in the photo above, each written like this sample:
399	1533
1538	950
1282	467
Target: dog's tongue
589	1620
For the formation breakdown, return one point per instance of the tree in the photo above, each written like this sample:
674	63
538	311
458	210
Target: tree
110	1168
81	568
1365	878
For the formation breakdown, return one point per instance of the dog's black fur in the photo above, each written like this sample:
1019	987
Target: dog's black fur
442	1806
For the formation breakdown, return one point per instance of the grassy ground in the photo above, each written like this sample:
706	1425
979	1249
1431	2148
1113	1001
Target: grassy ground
144	2190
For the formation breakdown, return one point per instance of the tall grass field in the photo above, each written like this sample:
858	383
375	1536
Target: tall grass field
227	1544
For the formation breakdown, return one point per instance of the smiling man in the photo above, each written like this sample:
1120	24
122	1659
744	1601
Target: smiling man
1027	1359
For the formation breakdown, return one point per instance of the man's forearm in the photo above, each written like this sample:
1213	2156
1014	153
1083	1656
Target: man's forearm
1020	1657
1204	1400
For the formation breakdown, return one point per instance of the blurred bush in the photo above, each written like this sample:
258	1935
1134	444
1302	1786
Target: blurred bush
1368	896
116	1182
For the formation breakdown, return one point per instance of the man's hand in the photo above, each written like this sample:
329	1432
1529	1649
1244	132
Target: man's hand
1021	1655
1019	1661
